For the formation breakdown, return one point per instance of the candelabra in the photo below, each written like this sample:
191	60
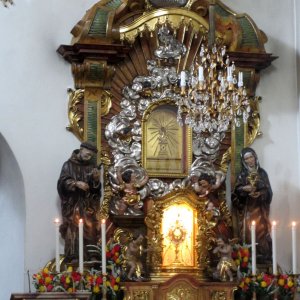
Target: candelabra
213	96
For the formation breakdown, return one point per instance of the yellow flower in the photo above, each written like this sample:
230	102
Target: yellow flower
70	269
118	279
245	259
247	280
107	283
242	284
42	289
118	261
116	287
48	279
281	282
38	276
68	280
290	283
46	270
96	289
263	284
70	290
237	261
259	277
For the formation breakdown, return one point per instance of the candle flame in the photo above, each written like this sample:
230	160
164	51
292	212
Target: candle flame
253	222
80	221
103	221
56	221
293	223
274	223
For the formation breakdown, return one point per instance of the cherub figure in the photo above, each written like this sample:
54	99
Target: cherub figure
130	202
133	255
226	264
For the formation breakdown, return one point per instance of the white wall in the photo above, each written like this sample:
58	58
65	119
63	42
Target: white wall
33	115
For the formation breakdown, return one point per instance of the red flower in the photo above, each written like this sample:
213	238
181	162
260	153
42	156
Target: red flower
49	288
63	279
99	280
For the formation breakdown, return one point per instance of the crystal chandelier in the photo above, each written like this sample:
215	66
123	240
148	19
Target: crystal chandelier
6	2
213	96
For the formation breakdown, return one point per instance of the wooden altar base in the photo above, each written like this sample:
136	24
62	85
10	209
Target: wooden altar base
52	296
179	287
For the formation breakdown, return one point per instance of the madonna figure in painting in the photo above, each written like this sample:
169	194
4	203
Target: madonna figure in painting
252	197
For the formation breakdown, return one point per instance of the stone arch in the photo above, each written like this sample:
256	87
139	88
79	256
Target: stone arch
12	221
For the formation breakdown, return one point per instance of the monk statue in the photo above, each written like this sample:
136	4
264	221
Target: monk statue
251	198
79	188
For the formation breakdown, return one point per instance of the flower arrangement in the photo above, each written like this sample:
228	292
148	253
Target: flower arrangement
241	255
266	285
44	281
286	286
71	281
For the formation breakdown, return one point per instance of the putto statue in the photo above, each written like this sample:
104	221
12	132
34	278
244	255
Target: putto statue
128	180
226	265
79	188
133	256
252	197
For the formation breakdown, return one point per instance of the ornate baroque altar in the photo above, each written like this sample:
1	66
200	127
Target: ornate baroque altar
127	57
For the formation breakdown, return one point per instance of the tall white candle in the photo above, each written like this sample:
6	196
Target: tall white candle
294	248
274	250
253	248
81	246
57	258
182	79
103	239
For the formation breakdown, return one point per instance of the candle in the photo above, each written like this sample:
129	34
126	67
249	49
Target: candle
294	248
182	79
81	246
57	266
200	74
274	254
253	248
240	82
103	239
229	74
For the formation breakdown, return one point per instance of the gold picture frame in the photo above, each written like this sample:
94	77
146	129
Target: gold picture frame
166	146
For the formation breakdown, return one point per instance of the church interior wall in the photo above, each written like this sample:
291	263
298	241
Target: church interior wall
33	117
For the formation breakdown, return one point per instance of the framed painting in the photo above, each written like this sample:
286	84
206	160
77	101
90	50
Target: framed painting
167	146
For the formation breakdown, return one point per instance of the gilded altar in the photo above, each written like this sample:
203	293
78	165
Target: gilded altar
164	179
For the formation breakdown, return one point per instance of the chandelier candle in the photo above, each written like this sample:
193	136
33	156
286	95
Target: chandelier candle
81	246
253	248
294	248
200	74
57	267
103	240
274	253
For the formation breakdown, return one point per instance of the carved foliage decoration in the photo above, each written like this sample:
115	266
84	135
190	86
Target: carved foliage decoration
75	112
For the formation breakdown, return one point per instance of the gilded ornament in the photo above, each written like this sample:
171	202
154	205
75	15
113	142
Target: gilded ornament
182	291
105	103
75	113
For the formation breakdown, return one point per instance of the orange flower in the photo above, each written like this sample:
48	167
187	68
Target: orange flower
281	282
